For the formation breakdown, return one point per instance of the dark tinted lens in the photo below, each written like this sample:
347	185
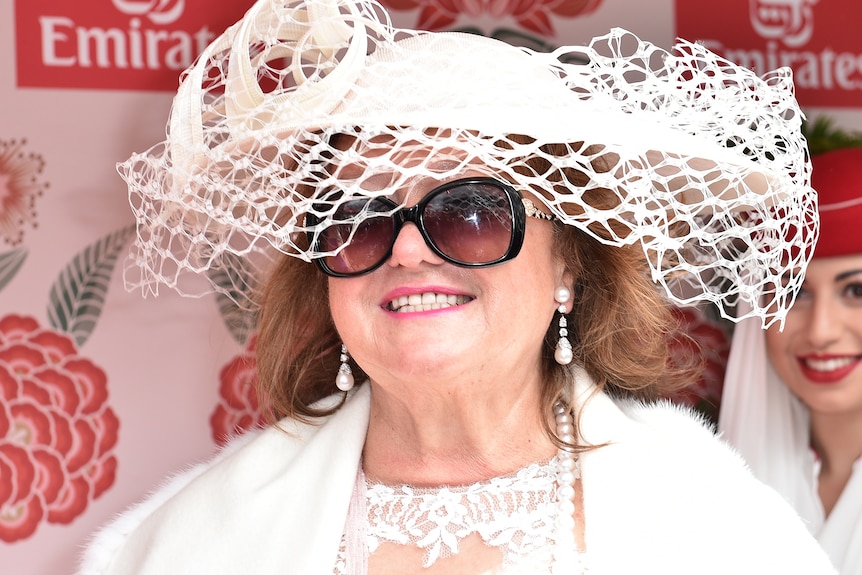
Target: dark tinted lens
370	243
470	223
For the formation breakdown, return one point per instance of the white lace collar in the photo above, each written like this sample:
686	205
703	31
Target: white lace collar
515	513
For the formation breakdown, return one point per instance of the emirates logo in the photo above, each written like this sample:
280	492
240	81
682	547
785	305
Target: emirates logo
791	21
817	39
160	12
115	44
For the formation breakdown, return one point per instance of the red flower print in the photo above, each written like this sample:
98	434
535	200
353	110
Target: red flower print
57	432
713	344
534	15
20	185
238	409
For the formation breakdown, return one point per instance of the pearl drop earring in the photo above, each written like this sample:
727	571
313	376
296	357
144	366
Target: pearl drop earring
563	353
344	379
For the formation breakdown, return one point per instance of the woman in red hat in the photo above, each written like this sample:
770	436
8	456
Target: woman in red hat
792	401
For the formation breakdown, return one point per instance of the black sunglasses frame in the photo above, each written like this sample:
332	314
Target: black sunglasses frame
415	214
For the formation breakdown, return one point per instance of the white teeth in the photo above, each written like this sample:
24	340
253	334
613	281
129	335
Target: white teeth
829	364
426	301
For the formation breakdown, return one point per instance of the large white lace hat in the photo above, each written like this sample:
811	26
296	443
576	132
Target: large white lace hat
695	158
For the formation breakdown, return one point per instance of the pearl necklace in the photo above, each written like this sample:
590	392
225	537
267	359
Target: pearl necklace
566	556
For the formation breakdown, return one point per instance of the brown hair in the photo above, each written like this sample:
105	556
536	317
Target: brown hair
620	326
298	347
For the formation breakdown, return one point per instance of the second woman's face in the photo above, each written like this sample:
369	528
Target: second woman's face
819	353
486	321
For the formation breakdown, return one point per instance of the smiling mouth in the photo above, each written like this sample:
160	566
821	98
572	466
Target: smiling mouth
831	364
426	302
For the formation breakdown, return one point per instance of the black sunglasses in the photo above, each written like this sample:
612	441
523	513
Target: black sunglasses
472	222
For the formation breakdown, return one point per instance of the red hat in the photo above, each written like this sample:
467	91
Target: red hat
837	177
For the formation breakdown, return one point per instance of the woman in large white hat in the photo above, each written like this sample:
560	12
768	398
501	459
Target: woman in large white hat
458	244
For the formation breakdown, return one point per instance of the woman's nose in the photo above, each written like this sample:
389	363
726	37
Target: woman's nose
410	249
825	322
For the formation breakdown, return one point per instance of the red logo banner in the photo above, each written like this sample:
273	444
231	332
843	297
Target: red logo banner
114	44
818	39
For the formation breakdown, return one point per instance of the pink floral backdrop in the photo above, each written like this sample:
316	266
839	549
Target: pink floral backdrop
102	392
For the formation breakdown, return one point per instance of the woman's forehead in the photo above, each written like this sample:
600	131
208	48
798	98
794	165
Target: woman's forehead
835	268
386	164
407	149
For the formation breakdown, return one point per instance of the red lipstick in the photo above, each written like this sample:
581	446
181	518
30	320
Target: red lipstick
827	376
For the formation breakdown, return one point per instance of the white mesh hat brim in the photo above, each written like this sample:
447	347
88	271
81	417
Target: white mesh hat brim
685	141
